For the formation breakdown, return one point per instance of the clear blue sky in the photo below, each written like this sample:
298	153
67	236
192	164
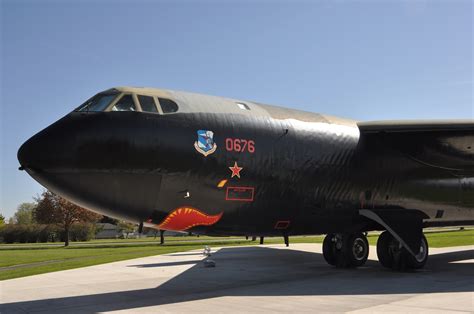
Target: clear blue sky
366	60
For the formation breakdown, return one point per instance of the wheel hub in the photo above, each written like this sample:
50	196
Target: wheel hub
359	249
422	254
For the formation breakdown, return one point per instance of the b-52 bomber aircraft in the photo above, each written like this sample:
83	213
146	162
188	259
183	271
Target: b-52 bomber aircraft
211	165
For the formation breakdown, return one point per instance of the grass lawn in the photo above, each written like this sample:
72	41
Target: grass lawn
18	260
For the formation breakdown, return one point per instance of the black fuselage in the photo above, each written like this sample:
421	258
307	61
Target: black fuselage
299	178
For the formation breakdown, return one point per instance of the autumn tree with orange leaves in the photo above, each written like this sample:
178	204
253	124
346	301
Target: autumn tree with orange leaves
53	209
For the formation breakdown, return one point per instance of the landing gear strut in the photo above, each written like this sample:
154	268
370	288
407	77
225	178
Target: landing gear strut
391	254
346	250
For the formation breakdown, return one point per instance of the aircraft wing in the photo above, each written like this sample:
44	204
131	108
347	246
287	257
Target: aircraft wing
445	144
410	126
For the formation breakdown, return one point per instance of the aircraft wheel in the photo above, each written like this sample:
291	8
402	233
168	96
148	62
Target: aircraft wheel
385	249
418	261
346	250
329	249
357	250
392	255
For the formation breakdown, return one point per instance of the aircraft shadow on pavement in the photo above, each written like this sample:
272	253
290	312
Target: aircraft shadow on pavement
165	264
263	271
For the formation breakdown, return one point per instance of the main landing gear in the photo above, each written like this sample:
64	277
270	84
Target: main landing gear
346	250
393	255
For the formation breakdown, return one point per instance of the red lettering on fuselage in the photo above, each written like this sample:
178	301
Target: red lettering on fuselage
239	145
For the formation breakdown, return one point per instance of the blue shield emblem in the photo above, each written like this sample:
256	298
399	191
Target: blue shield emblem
205	142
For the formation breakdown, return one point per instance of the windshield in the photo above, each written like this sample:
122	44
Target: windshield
97	103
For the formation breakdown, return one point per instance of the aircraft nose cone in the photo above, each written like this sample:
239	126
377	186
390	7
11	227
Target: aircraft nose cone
33	154
47	149
24	155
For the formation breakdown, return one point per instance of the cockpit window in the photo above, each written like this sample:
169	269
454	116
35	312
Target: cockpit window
167	105
242	106
125	103
147	103
97	103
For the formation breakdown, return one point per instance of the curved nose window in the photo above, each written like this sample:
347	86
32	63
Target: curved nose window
125	103
167	105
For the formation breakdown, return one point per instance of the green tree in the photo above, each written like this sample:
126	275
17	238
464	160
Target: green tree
53	209
2	220
24	214
126	227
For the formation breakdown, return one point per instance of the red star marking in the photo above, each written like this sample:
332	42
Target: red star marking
235	170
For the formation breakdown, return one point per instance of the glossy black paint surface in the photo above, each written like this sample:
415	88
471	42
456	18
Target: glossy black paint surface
307	177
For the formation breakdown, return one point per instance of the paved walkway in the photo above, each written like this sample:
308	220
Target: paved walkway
269	278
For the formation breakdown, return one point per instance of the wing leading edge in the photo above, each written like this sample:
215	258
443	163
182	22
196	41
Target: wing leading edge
409	126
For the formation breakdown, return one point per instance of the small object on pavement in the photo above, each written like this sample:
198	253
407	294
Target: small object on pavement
207	251
209	263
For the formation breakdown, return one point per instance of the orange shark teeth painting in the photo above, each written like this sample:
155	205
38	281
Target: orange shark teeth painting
184	218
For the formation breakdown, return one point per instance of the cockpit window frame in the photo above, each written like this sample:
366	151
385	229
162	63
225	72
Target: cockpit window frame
112	104
156	99
137	103
116	100
157	104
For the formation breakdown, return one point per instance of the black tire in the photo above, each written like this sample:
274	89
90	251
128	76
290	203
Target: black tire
384	253
329	250
418	261
356	250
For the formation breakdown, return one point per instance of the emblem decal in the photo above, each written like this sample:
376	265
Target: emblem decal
186	217
235	170
205	142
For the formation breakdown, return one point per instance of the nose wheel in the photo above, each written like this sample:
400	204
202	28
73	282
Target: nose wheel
346	250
